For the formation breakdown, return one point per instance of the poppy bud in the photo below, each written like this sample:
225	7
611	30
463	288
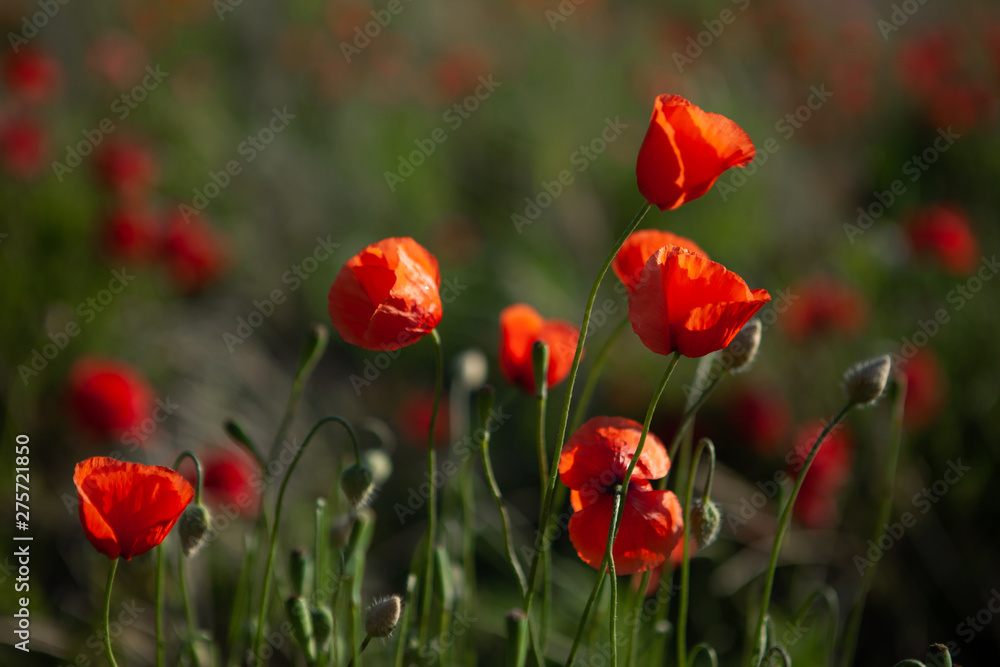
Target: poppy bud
471	368
706	521
302	627
379	463
383	616
298	570
938	655
193	528
865	382
322	621
357	483
236	432
740	353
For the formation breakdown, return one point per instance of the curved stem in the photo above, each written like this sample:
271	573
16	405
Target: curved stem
708	650
686	420
187	453
784	521
107	612
780	651
277	522
571	381
427	585
686	554
595	372
885	508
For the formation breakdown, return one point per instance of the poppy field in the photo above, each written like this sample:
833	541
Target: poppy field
528	333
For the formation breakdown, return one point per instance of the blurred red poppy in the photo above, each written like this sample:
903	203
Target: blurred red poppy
944	233
688	303
132	233
31	75
22	146
761	418
107	398
414	419
126	509
639	247
824	304
926	388
386	297
195	254
685	150
520	327
816	505
231	478
126	166
592	463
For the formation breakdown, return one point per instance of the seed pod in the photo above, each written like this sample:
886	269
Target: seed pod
193	528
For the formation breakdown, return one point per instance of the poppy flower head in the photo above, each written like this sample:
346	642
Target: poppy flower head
593	462
825	305
944	233
414	419
126	166
22	146
195	253
639	247
761	418
126	509
131	234
228	478
926	388
686	302
31	75
520	327
108	399
386	297
685	150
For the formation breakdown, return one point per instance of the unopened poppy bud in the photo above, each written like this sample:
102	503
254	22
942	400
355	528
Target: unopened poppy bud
302	627
706	521
193	528
298	570
357	483
322	621
383	616
379	463
865	382
938	655
471	368
740	353
540	364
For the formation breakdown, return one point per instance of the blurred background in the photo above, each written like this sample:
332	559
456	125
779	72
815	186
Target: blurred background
181	181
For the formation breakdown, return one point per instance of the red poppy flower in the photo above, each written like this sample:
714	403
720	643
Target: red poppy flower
688	303
414	419
944	233
31	75
593	462
22	146
132	234
126	509
195	254
126	166
685	150
816	504
107	398
926	387
824	305
520	327
386	297
639	247
761	418
228	477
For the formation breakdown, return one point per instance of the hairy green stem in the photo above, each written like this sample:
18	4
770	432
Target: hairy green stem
428	581
107	612
595	372
686	554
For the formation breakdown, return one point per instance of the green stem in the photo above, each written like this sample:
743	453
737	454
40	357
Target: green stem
161	644
707	650
594	593
571	381
187	453
595	372
319	569
687	420
540	353
277	522
428	588
403	629
188	612
107	612
364	645
885	508
783	523
633	636
686	554
312	351
613	577
468	550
